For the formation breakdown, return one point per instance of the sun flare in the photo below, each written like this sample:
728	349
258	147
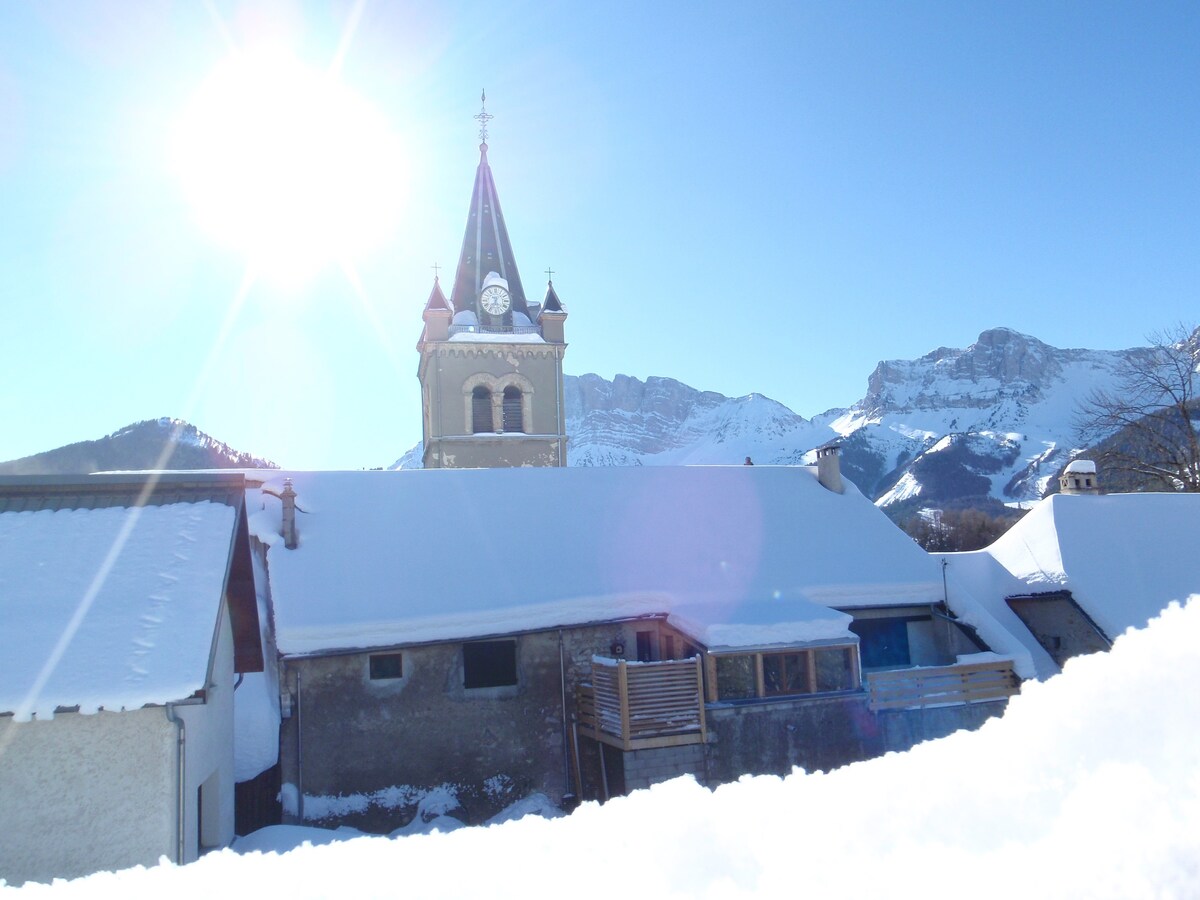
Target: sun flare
287	165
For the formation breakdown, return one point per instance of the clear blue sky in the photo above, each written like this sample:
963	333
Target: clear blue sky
747	197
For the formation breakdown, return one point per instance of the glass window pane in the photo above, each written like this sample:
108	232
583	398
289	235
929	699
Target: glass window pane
833	670
735	678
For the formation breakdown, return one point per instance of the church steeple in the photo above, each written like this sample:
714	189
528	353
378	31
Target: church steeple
491	374
485	246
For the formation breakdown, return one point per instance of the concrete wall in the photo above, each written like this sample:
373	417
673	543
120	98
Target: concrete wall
770	738
383	745
903	729
82	793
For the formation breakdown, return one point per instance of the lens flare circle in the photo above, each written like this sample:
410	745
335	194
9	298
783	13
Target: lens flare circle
287	165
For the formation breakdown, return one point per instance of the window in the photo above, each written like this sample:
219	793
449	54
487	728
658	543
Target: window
645	644
757	675
882	642
481	410
489	664
834	669
736	678
386	665
786	673
512	410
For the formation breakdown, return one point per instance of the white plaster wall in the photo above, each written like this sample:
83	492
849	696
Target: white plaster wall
209	746
81	793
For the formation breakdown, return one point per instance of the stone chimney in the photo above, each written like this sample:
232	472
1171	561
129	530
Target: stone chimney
1079	477
288	497
829	468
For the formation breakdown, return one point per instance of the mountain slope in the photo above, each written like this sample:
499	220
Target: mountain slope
993	420
154	443
627	422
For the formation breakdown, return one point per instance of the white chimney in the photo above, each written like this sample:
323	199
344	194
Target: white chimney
829	468
1079	477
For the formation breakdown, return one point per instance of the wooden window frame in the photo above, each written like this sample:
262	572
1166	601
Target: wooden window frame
809	655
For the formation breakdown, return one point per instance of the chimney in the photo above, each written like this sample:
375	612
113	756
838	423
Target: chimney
288	497
1079	477
829	468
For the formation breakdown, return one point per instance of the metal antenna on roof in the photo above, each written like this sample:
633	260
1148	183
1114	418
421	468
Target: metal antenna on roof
484	116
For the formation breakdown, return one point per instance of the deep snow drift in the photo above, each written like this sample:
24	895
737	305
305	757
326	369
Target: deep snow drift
1089	786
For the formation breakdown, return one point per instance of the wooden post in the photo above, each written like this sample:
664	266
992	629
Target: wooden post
700	700
760	681
710	665
810	657
623	698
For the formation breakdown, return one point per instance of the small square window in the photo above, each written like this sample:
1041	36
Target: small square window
386	665
489	664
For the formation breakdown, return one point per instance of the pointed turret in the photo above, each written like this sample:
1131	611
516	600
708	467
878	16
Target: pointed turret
485	247
552	316
437	315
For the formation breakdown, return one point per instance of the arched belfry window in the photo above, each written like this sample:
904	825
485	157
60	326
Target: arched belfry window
513	418
481	410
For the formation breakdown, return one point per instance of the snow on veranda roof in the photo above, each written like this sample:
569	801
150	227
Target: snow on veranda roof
735	556
111	588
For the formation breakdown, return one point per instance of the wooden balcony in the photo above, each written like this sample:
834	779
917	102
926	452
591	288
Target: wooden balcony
941	685
637	706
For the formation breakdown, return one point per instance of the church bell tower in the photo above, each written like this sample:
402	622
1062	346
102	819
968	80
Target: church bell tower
491	361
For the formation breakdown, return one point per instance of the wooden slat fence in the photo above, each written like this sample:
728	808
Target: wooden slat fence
940	685
639	705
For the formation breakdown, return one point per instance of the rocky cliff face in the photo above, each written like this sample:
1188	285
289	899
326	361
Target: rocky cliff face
992	420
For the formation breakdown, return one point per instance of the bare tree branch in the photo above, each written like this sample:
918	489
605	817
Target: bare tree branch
1145	429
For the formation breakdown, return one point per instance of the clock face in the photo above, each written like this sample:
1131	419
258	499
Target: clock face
494	299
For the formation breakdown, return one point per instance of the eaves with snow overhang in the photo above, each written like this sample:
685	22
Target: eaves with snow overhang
114	584
736	557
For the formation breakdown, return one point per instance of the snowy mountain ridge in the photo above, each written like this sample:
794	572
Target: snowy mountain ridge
991	422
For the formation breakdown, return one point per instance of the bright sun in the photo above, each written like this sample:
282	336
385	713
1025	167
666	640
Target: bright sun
287	165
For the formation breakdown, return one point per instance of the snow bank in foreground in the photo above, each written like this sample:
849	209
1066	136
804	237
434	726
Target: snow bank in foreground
1088	787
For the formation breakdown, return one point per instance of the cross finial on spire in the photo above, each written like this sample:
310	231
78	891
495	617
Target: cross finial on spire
484	116
435	268
550	275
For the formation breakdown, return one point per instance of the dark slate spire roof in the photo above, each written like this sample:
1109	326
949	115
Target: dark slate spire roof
437	300
485	246
551	303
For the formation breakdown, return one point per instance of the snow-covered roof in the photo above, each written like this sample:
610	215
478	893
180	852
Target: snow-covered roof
1081	467
1123	557
734	556
106	605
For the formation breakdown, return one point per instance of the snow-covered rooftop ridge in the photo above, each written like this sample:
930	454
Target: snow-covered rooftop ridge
109	608
723	551
1123	557
1081	467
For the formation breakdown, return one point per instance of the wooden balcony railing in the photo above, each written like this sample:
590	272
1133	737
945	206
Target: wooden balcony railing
636	706
941	685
